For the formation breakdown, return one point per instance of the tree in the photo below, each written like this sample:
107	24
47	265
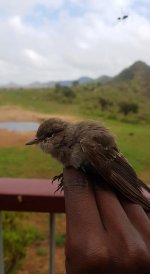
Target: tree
105	103
63	94
127	107
75	83
57	86
68	92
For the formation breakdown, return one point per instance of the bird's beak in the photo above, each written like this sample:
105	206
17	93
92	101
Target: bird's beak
33	141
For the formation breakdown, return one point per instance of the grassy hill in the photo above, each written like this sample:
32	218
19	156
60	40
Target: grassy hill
92	100
138	71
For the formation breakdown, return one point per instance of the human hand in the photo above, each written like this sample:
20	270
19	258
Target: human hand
104	235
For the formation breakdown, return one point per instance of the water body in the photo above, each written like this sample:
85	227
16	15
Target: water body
19	126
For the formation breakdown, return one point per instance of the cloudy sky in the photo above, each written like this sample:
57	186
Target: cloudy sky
43	40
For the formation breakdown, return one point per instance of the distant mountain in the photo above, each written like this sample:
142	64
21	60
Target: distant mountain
81	81
68	83
139	71
84	80
10	85
37	84
65	83
103	79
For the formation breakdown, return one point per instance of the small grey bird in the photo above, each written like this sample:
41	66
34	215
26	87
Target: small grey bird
90	147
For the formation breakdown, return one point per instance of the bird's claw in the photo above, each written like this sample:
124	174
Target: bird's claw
57	177
60	185
60	178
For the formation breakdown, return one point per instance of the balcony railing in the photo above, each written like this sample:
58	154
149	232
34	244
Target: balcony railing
32	195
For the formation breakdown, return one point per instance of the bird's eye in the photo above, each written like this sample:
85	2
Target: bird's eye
50	134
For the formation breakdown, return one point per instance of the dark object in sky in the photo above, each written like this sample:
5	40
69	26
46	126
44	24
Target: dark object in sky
90	147
124	17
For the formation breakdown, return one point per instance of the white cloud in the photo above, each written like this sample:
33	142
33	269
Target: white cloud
91	43
6	68
35	59
14	7
16	23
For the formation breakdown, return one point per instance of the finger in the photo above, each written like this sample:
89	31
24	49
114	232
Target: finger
112	213
146	193
137	217
122	235
148	214
82	216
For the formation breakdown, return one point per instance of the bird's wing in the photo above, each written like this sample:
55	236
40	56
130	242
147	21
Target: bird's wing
115	169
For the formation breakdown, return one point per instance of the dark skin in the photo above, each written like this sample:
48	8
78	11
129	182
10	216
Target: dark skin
105	234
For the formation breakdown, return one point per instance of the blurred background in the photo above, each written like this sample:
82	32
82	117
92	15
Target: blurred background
78	60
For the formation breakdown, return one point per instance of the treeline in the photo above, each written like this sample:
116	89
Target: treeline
114	101
125	101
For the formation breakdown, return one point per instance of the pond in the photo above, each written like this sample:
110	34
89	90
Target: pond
19	126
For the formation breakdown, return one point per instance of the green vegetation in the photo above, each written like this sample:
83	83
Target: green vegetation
27	162
126	107
39	100
60	239
16	238
91	101
63	94
41	251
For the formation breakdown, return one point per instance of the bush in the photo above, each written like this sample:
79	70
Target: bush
127	107
14	241
16	237
63	94
60	239
105	103
68	92
75	83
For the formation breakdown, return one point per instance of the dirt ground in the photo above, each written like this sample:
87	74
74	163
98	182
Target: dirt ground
16	113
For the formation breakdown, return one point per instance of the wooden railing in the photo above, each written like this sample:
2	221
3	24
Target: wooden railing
33	195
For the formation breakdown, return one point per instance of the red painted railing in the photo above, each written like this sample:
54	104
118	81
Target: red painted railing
36	195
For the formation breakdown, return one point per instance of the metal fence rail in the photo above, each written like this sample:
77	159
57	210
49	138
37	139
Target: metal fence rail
1	247
33	195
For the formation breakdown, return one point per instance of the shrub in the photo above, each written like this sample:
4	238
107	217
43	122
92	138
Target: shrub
60	239
63	94
16	237
127	107
105	103
14	241
68	92
75	83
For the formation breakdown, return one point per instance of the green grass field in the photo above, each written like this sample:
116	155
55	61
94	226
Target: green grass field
36	100
31	162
